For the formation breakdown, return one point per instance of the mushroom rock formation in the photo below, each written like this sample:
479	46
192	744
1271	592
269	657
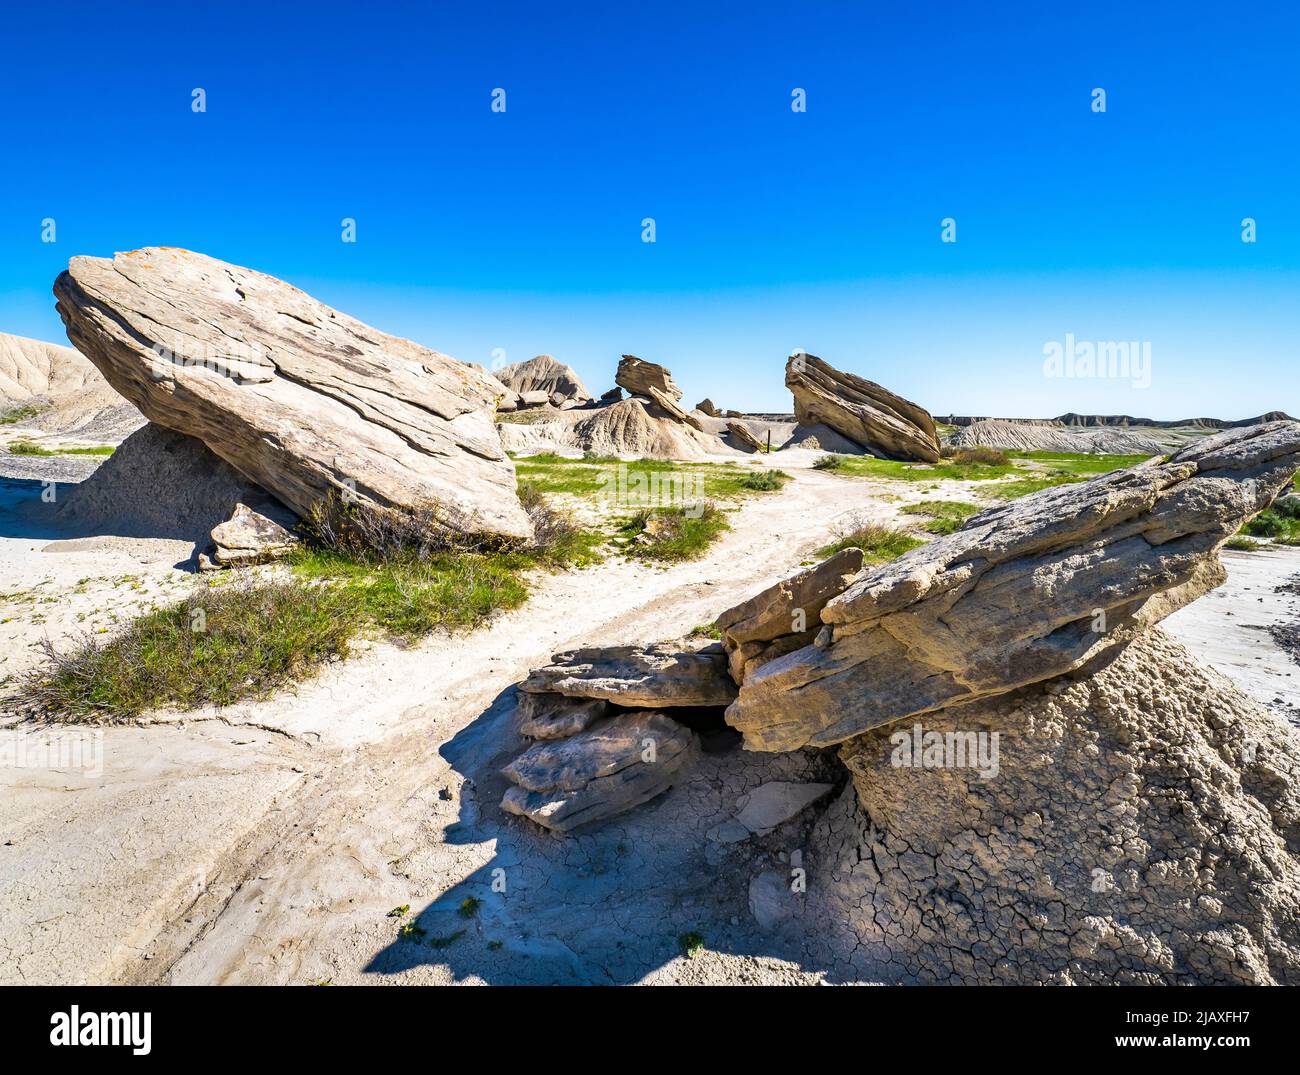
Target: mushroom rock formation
1138	825
301	399
655	383
861	410
1021	594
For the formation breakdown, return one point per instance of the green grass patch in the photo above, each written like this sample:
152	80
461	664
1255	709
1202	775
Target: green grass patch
671	535
705	630
670	481
243	637
1280	524
946	516
26	447
879	544
1243	544
219	646
19	414
690	944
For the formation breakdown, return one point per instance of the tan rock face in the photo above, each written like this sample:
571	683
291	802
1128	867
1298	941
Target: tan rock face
861	410
611	767
1023	593
785	616
647	379
653	676
743	438
544	374
1136	826
302	399
707	406
254	534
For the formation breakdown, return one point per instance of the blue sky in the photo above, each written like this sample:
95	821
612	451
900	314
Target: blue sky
482	234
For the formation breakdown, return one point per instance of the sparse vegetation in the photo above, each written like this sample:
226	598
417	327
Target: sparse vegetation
879	543
670	535
830	462
691	943
947	516
591	475
19	414
1243	544
1279	524
764	481
469	907
400	575
993	457
26	447
705	630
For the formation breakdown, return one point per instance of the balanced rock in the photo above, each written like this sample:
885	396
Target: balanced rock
553	716
1022	593
545	374
707	406
786	616
302	399
861	410
611	767
649	677
647	379
612	396
1135	826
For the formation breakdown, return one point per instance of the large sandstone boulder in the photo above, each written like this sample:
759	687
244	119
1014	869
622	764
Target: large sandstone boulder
1023	593
1139	825
611	767
649	677
861	410
545	374
302	399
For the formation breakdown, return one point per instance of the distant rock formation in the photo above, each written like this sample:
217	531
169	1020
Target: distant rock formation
1033	436
626	428
302	399
706	406
647	379
861	410
545	374
53	389
742	437
1022	593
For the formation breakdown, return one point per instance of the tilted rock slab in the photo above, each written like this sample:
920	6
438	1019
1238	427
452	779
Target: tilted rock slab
1135	826
553	716
861	410
743	437
642	378
300	398
652	677
1023	593
613	766
786	615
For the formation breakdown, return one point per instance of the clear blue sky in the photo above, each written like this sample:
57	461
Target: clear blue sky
521	231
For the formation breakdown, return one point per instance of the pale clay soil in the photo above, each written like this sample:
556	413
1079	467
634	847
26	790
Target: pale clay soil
265	843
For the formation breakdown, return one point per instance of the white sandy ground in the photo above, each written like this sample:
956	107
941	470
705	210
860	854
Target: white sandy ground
266	843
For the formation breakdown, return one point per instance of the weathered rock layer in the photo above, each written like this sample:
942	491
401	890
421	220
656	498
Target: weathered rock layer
1023	593
302	399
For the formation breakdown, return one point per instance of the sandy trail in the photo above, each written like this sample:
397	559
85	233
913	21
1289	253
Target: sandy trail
267	842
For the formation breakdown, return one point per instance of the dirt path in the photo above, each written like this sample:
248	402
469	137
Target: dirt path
278	820
267	843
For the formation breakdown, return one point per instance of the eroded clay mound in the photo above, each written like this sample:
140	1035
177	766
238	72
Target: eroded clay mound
625	428
55	389
159	483
1138	825
1046	437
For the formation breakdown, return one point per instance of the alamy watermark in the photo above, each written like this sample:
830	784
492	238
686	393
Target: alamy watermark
66	750
1122	360
919	749
633	487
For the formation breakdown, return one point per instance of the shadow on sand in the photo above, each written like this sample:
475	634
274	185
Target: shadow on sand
613	905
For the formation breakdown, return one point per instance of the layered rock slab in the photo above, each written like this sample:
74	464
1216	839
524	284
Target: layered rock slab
545	374
647	676
611	767
1023	593
302	399
865	412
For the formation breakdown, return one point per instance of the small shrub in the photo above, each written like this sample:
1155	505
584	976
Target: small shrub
764	481
1243	544
690	943
830	462
948	516
989	457
674	534
879	543
705	630
469	907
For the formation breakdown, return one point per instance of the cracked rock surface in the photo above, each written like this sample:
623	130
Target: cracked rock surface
1021	594
301	399
652	676
1141	826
